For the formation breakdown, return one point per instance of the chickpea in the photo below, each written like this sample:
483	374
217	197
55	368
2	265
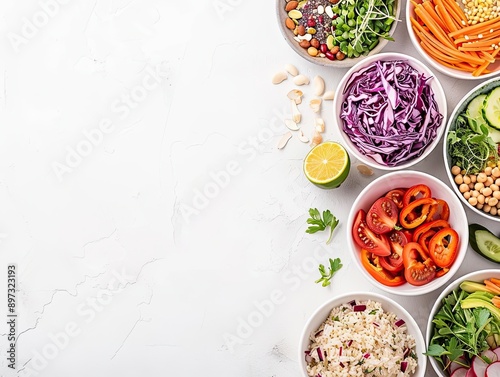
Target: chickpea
475	193
463	188
488	170
496	194
478	186
493	211
494	187
473	178
459	179
492	202
486	208
495	172
473	201
466	179
471	186
489	182
487	191
467	195
479	206
480	199
497	182
455	170
481	177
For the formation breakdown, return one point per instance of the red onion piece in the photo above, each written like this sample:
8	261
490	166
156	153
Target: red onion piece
359	308
376	324
340	351
404	365
399	323
349	343
342	364
320	355
308	358
366	355
352	303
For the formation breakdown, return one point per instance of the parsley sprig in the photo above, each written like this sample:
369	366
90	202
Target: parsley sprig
335	265
318	223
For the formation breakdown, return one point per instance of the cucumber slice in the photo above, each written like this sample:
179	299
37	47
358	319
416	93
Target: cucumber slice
475	111
491	108
475	117
484	242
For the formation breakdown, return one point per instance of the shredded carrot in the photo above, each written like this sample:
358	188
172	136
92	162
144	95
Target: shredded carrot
477	28
445	15
496	301
432	12
486	36
455	9
433	26
495	281
493	287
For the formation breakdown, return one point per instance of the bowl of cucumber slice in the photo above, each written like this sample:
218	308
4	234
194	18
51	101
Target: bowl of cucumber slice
471	149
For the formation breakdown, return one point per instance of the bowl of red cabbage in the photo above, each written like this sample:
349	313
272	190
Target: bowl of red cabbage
390	110
471	149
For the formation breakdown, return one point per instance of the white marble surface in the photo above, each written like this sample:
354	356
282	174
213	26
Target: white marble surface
114	276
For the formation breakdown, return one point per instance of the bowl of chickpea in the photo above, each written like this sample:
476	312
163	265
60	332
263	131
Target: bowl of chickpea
471	150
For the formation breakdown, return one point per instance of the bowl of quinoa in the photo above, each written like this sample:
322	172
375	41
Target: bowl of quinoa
337	33
362	334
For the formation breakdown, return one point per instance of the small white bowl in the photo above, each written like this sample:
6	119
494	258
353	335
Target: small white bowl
439	96
477	276
408	178
410	13
461	106
288	35
389	305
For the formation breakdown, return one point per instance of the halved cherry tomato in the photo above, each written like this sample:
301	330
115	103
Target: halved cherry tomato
419	268
382	216
393	263
436	225
425	239
443	247
442	271
416	192
366	239
415	213
372	265
396	196
439	211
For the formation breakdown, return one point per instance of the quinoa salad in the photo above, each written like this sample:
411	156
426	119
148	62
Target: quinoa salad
361	339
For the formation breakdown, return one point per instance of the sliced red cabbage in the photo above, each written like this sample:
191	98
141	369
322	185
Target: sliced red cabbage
390	112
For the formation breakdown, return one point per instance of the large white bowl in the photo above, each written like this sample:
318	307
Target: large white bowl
439	96
385	183
477	276
461	106
438	66
288	35
320	315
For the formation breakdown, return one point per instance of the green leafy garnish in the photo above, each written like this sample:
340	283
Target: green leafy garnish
469	145
317	223
325	278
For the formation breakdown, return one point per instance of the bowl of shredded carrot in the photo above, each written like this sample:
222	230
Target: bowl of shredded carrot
459	38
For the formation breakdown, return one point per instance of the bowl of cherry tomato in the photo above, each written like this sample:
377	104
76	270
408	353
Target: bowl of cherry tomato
408	233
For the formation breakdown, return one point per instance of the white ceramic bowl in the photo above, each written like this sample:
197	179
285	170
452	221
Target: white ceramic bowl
408	178
438	66
462	106
439	96
477	276
320	315
347	62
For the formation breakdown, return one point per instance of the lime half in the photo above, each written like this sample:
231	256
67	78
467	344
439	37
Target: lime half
327	165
